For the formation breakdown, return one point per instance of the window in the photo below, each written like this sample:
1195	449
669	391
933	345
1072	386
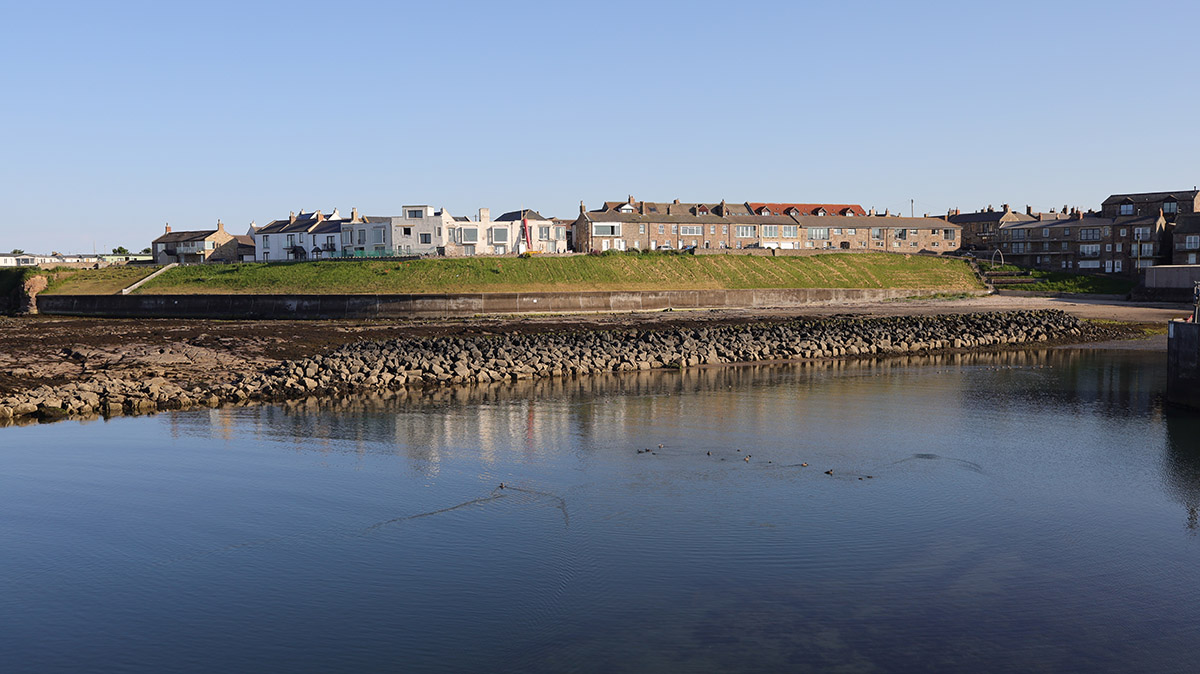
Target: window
291	240
1108	247
1018	248
1170	208
1119	247
414	213
1107	231
789	231
329	242
948	234
913	232
499	235
439	232
691	230
837	231
674	229
613	229
900	233
1089	264
746	231
1122	232
712	229
560	233
1145	263
1126	209
266	256
1045	232
725	229
1018	234
876	233
852	232
347	237
1089	234
1190	242
544	232
1065	246
1141	233
642	228
469	235
1147	249
408	231
662	229
426	238
818	233
1191	258
1066	232
266	240
1089	250
362	237
770	231
377	235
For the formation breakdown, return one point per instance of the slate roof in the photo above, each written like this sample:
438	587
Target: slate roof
513	216
1188	224
688	219
179	237
987	216
1150	197
806	209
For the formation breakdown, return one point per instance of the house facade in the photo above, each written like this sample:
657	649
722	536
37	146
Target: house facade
482	236
191	247
981	228
1089	243
1186	240
1170	204
307	236
647	226
535	233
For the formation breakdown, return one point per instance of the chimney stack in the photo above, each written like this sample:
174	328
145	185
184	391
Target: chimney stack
1006	208
630	199
582	210
353	214
485	215
1028	209
291	217
220	225
168	230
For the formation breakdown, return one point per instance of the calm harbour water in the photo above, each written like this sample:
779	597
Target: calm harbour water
1016	512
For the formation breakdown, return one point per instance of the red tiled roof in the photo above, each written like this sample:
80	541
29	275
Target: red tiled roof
807	209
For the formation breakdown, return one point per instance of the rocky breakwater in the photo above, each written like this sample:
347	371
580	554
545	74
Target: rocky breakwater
445	361
429	362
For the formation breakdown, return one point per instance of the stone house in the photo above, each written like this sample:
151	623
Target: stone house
980	229
1186	239
656	226
193	246
1088	242
1170	204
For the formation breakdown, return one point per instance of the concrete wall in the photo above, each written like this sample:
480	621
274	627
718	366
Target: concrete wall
1183	364
444	306
1172	276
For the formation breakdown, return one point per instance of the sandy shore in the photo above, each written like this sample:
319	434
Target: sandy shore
53	350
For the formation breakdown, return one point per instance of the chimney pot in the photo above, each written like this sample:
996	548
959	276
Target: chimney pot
168	230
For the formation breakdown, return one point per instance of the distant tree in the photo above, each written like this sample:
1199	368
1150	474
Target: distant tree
145	251
120	250
17	251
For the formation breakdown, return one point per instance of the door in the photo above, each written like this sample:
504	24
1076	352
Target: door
604	244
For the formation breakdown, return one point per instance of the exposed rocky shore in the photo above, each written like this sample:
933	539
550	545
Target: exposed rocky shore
438	361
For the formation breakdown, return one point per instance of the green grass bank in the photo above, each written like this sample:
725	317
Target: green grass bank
622	271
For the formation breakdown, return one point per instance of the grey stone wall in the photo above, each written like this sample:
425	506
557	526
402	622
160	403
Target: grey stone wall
447	305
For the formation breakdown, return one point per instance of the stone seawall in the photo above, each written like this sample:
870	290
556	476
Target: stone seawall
430	362
449	305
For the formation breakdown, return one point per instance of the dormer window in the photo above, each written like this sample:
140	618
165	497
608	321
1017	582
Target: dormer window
765	211
1170	207
849	213
1126	209
822	211
625	208
793	211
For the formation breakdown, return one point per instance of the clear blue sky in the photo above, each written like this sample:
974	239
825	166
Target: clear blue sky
121	116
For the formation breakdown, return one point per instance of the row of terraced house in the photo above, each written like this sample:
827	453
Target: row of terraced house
422	230
1130	232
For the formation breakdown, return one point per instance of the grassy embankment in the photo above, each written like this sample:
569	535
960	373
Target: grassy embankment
627	271
1062	282
106	281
